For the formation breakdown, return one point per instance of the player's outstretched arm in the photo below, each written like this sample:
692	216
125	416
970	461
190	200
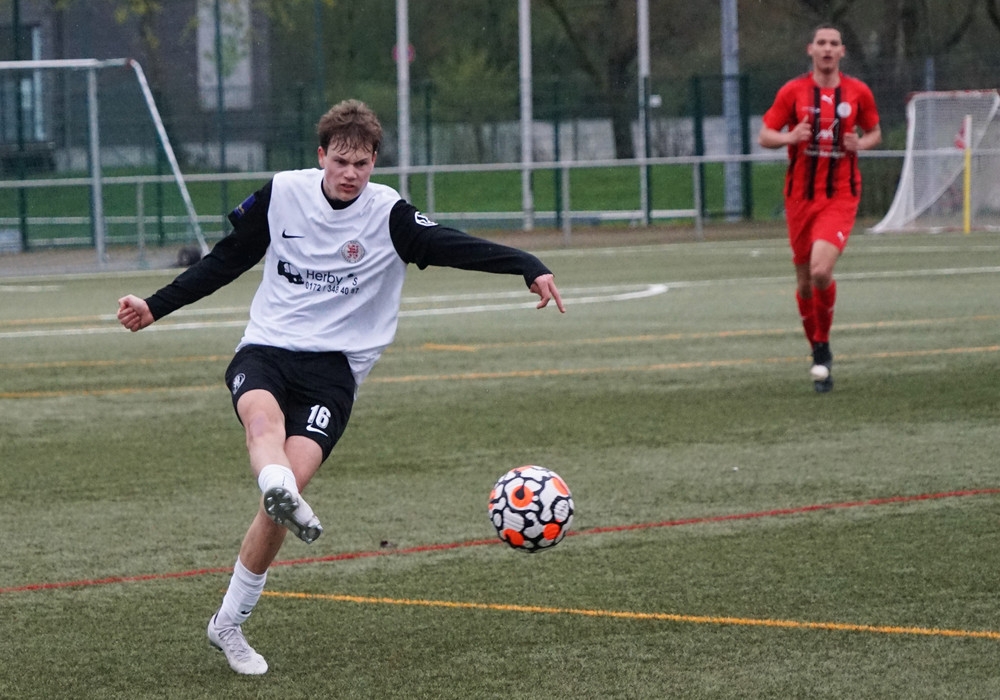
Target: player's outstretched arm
545	287
134	313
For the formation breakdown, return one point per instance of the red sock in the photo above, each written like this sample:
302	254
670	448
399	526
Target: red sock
807	315
823	303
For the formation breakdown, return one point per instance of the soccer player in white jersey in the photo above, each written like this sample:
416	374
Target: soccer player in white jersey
335	249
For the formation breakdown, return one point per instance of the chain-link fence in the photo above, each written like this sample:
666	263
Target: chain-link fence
573	122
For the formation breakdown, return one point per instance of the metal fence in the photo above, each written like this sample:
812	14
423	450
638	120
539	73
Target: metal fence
150	216
569	137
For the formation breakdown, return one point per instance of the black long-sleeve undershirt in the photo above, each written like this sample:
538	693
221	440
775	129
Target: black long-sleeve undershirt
417	243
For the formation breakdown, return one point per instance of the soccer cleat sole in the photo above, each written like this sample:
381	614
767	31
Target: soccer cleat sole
825	386
280	506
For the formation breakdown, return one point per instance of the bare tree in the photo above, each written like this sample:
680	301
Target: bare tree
605	44
145	14
906	29
993	12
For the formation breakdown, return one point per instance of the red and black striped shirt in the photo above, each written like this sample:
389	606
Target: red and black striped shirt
820	166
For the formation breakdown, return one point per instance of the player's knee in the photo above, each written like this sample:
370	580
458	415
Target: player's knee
821	275
822	281
261	429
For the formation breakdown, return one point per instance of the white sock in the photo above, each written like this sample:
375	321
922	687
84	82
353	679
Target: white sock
273	475
245	588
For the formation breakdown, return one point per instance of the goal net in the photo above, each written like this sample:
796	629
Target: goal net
951	170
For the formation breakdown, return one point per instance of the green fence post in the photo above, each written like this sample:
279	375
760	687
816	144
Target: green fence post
698	117
557	152
746	167
429	144
22	195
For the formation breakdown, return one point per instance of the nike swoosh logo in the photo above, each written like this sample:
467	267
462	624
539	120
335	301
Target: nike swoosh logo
285	235
245	612
316	430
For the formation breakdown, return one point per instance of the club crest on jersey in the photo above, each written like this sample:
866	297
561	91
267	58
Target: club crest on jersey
844	110
352	252
421	219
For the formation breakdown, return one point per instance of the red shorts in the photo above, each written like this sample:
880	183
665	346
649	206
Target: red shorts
820	219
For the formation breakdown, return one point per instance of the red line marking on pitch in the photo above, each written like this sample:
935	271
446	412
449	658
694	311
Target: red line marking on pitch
82	583
789	511
420	549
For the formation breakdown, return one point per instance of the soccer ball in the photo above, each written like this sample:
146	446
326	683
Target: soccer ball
531	508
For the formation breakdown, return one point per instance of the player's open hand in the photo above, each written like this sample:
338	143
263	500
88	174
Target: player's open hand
134	313
545	287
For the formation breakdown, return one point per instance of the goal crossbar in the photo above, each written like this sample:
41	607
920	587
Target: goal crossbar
91	65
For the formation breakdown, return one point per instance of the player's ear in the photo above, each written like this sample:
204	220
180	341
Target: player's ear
320	154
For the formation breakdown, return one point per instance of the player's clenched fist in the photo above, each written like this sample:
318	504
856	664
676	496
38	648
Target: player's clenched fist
134	313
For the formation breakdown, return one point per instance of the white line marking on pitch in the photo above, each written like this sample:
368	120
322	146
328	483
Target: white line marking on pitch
33	288
608	295
639	292
650	291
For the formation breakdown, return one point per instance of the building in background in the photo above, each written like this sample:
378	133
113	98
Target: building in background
176	48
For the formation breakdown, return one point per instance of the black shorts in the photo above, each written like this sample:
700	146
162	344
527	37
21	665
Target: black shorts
315	390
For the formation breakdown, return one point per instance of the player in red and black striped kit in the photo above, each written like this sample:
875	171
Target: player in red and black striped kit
824	118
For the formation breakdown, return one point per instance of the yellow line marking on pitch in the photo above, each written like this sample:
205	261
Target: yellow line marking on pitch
668	366
472	348
450	348
708	335
661	617
106	392
110	321
50	364
522	374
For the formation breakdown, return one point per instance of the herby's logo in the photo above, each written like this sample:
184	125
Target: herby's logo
290	272
352	252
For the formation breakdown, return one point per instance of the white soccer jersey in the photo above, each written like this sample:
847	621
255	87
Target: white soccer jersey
333	272
332	278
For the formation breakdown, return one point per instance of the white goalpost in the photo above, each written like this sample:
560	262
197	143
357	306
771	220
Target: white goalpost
91	66
951	169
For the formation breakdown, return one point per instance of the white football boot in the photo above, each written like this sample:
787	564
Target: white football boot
822	368
240	655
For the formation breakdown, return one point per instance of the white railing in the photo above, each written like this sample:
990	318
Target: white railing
568	215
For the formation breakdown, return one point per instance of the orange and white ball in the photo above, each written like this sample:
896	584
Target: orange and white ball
531	508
